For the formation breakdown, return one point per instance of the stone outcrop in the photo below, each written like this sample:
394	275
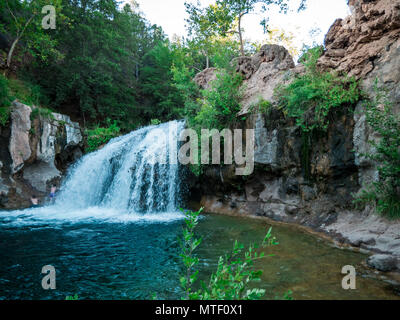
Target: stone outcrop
263	72
367	45
354	43
205	78
311	180
382	262
20	150
35	151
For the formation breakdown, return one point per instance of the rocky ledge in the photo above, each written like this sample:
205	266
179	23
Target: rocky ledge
35	150
366	45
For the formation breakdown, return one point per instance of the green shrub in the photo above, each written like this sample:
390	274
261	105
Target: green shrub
385	193
221	103
42	113
4	116
25	92
5	98
5	101
214	108
99	136
235	271
155	122
311	97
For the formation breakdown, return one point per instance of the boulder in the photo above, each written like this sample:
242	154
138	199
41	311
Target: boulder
19	147
60	138
204	78
39	151
352	44
382	262
264	71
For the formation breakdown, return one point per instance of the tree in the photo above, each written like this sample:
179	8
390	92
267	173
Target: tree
201	28
228	14
25	22
281	37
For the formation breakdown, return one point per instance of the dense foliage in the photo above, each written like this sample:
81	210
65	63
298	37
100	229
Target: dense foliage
107	62
11	89
99	136
101	62
4	101
220	103
225	17
384	193
312	97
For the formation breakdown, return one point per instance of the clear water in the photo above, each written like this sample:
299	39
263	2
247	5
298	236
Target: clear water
133	260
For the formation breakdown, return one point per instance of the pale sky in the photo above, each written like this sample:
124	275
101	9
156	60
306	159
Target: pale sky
170	15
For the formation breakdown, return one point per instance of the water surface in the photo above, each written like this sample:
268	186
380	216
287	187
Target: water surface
139	257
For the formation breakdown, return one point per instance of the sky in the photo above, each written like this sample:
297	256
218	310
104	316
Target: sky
320	14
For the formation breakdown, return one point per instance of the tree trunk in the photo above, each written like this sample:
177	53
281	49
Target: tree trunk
10	53
207	61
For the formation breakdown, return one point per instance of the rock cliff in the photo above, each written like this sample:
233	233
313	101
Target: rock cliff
35	150
311	182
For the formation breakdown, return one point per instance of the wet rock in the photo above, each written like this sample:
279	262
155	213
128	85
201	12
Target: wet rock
41	174
382	262
35	153
307	193
266	143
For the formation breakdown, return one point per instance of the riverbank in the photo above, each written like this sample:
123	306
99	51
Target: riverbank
363	232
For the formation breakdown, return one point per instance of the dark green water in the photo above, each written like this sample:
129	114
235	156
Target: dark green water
135	260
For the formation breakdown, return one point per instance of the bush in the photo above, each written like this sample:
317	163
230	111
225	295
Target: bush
25	92
5	98
4	116
221	103
43	113
5	101
100	136
215	108
311	97
385	193
235	271
155	122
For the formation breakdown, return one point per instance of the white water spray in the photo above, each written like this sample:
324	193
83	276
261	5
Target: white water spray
133	178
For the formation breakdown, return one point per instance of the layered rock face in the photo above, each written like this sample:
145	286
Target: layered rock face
35	150
311	180
354	44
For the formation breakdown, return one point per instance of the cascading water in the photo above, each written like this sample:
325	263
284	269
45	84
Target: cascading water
134	177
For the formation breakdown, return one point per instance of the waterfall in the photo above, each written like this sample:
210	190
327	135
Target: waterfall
134	177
